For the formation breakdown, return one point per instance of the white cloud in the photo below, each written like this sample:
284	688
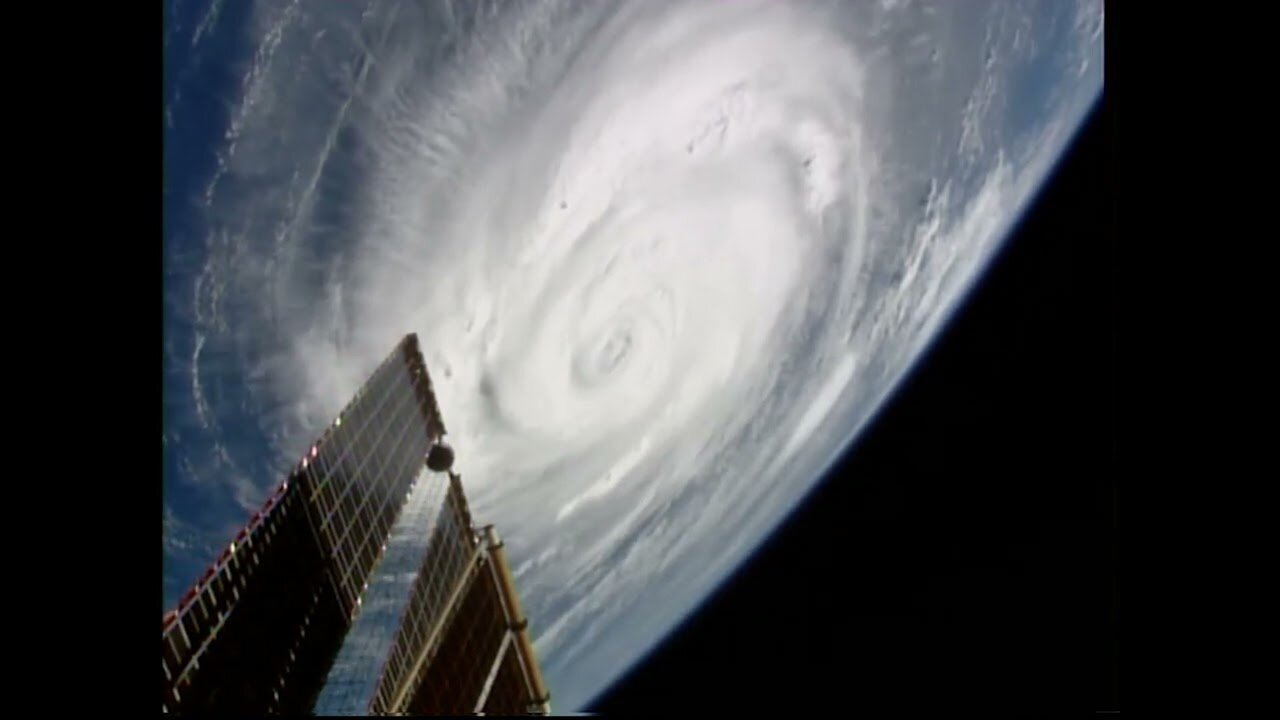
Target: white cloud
639	237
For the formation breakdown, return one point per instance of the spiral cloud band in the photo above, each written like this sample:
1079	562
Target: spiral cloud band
664	259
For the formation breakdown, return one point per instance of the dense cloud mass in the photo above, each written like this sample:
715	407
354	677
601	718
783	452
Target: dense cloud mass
665	259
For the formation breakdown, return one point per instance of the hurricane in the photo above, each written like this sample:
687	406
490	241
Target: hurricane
664	259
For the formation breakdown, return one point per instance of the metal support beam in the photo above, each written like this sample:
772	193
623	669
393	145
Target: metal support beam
493	672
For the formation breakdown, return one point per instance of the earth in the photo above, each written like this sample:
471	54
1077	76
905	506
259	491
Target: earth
665	259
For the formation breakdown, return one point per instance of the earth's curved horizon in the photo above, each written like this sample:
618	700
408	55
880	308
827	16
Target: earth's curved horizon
665	259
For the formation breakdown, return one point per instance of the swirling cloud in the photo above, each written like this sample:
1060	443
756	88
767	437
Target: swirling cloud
664	258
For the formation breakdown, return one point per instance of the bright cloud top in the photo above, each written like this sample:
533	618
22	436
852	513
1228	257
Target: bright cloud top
664	260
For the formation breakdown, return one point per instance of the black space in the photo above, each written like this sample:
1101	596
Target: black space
962	555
